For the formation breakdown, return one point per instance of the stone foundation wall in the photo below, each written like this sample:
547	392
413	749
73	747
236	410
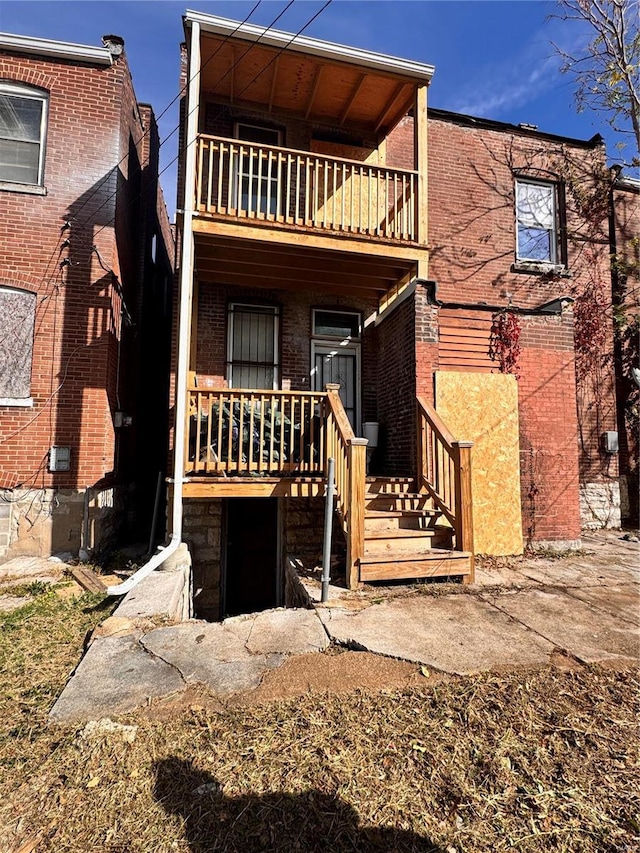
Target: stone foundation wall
41	522
202	532
600	505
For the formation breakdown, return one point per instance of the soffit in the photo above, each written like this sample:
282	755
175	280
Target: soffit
236	71
278	267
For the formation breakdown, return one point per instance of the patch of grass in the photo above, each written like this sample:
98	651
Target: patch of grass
530	761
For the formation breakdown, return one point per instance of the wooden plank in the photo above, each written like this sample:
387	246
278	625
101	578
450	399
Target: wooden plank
314	90
436	566
88	579
357	464
231	487
420	126
274	82
288	235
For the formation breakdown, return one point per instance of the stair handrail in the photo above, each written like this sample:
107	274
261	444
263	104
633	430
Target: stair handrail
349	453
444	472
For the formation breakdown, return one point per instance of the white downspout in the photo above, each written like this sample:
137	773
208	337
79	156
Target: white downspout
186	283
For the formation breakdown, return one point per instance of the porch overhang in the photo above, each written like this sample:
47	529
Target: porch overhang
254	262
305	77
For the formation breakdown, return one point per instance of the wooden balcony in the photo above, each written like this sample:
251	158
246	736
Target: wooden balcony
282	188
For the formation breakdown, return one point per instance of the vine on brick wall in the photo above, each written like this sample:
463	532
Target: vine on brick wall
504	341
590	327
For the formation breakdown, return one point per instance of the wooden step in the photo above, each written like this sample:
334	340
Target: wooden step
389	485
406	540
396	502
394	519
436	562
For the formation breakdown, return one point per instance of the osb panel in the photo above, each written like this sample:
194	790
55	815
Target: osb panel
483	408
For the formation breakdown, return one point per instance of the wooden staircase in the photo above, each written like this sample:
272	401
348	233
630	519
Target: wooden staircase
405	537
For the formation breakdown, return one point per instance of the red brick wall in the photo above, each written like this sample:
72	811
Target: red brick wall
397	392
295	336
92	116
548	430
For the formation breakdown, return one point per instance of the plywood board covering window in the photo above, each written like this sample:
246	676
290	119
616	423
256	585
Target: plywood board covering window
483	408
17	312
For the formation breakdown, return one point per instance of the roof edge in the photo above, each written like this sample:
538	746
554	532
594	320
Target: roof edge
56	49
493	124
315	47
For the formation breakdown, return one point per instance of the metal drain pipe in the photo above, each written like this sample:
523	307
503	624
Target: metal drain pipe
328	527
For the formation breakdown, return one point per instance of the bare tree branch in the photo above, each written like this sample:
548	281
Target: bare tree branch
606	71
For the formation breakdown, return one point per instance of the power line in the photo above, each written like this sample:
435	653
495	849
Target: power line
229	71
251	82
107	177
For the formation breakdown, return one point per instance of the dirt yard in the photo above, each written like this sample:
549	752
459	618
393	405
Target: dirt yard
532	761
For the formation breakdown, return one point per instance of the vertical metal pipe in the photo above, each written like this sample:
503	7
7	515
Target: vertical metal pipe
328	526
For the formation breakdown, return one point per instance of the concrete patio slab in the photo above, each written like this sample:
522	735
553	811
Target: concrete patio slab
589	634
580	573
116	675
292	632
619	601
459	634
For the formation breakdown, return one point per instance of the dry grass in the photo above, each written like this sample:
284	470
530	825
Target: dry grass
537	761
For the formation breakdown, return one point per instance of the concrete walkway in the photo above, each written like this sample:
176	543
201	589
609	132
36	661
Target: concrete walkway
521	613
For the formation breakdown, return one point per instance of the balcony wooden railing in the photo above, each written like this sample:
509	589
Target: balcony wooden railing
349	453
235	432
444	472
299	188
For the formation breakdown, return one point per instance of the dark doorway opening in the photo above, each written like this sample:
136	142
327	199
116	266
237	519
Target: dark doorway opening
251	575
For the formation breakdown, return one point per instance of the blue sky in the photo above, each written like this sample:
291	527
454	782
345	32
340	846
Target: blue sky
492	59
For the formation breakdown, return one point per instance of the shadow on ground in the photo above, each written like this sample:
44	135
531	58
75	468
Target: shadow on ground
312	822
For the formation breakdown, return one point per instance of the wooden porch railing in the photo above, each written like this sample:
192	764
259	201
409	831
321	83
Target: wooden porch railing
444	471
315	191
233	431
349	453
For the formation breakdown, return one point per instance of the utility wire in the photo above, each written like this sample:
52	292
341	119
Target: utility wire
259	74
83	226
108	176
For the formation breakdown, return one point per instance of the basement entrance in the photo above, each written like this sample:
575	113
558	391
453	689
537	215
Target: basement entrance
251	577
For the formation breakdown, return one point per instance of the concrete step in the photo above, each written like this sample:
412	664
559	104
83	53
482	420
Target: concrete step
436	562
396	519
406	540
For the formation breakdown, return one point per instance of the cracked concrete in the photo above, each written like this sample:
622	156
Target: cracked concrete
586	605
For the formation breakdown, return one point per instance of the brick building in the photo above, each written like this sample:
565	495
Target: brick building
86	257
356	268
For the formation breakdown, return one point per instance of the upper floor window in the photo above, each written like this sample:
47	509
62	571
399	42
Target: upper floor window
537	222
17	313
257	170
23	122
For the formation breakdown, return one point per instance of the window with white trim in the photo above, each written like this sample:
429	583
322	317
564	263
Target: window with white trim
537	222
23	125
253	346
17	315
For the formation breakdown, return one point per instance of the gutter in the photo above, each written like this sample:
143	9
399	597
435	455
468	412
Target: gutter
186	281
548	309
57	49
314	47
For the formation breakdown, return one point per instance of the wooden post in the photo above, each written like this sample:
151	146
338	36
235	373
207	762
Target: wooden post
464	502
355	520
421	158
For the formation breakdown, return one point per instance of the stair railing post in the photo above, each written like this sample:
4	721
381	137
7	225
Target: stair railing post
463	502
357	465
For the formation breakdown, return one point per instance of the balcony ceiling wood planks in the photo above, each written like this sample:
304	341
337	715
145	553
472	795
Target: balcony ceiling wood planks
298	84
277	267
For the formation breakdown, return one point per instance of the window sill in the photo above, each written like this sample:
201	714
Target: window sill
29	189
18	402
540	268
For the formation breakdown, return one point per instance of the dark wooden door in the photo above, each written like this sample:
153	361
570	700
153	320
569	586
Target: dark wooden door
251	574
